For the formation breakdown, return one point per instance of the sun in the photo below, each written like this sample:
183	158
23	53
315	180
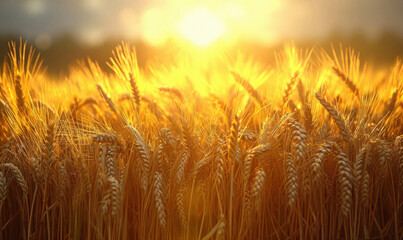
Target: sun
201	27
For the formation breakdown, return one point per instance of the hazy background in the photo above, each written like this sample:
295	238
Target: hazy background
64	30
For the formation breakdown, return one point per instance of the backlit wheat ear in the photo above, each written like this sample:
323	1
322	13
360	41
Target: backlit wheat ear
300	138
344	130
38	174
289	88
345	181
111	161
62	182
384	152
292	180
251	156
102	151
135	90
181	205
306	183
17	175
247	201
108	100
360	164
168	137
258	182
225	108
364	190
158	197
307	120
20	93
3	189
106	201
187	136
122	176
87	101
199	166
181	167
301	92
233	140
399	150
219	161
115	197
49	146
160	153
220	234
143	154
247	86
174	91
104	138
319	159
42	105
390	106
145	164
346	80
4	110
85	178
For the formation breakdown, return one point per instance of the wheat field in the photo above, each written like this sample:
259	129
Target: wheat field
207	146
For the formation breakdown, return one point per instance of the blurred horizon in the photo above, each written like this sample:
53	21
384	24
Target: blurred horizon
64	31
66	51
93	22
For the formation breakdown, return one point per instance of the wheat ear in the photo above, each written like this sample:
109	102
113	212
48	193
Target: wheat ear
19	178
289	88
3	189
247	86
20	93
300	136
292	180
346	80
344	130
135	90
345	181
158	197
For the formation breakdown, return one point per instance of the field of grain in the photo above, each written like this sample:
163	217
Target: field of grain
203	146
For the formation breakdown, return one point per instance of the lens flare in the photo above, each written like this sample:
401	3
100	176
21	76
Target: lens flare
201	27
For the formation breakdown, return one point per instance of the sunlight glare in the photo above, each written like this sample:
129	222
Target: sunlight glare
201	27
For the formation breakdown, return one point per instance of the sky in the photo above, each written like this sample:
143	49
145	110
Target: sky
264	21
